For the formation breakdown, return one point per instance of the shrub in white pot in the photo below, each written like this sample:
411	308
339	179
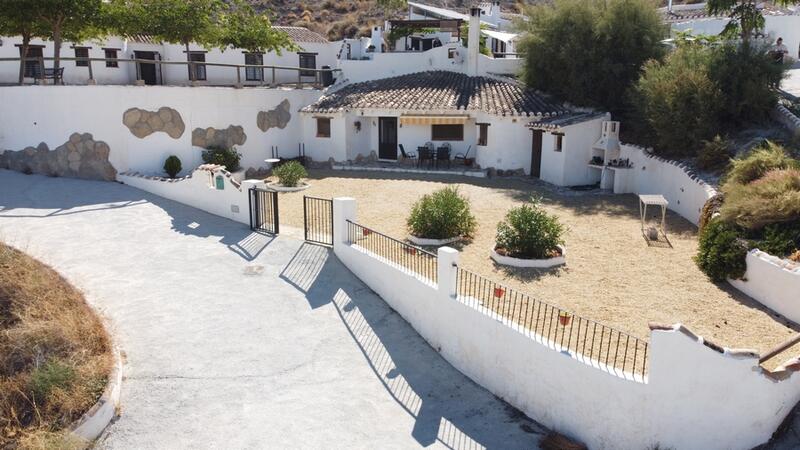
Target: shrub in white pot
529	232
441	215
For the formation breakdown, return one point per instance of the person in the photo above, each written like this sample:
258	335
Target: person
780	50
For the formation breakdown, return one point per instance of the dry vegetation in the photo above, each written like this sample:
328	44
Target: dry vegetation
612	275
338	19
54	354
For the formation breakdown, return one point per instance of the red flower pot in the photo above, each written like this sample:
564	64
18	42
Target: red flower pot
498	292
366	232
411	250
564	318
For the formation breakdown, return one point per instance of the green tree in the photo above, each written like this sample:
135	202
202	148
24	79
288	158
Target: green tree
74	20
589	52
745	16
20	18
242	27
173	21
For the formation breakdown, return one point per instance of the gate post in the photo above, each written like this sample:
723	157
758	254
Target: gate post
253	212
344	209
276	224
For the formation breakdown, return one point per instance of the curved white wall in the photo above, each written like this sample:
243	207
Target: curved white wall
774	282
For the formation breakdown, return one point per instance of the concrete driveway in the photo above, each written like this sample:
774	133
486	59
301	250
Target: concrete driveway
239	340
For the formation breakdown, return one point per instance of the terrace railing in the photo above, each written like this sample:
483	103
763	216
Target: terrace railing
410	257
304	76
592	340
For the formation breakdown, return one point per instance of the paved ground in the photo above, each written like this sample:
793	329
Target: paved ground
792	82
237	340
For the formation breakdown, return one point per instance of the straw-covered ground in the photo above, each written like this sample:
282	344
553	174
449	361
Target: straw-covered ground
612	275
55	355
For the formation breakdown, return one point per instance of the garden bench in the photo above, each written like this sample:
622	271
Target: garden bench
49	73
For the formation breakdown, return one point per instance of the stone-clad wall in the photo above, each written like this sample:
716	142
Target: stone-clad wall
80	157
275	118
143	123
212	137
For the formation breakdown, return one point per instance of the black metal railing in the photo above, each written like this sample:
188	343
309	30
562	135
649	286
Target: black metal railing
410	257
264	211
318	220
595	342
302	76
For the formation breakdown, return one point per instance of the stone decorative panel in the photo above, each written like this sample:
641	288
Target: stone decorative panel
275	118
143	123
80	157
212	137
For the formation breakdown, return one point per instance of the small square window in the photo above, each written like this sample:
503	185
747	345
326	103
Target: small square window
199	69
451	53
308	61
81	52
254	73
111	53
323	127
483	134
559	142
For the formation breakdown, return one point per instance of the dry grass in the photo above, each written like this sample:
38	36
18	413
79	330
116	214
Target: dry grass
55	355
612	276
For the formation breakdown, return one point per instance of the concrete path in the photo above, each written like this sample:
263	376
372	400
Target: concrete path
238	340
791	83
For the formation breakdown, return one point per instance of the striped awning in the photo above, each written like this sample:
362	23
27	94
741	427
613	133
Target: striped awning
433	120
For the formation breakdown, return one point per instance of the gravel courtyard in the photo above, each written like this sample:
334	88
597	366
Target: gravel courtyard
611	276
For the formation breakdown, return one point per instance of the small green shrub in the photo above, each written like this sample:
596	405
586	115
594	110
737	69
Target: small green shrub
290	173
714	154
442	214
227	157
172	166
53	374
528	231
779	239
773	198
760	161
721	252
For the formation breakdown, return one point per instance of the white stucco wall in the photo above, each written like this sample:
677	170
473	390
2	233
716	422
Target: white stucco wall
176	74
774	282
694	397
685	191
33	114
199	191
509	143
384	65
324	148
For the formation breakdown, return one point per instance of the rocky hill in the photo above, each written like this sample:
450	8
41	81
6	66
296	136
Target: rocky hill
337	19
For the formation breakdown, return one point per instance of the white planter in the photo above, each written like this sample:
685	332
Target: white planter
281	188
537	263
432	242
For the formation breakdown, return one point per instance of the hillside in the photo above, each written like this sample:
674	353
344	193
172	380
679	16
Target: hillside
338	19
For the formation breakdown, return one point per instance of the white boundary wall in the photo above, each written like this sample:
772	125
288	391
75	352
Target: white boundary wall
33	114
685	191
198	190
696	396
774	282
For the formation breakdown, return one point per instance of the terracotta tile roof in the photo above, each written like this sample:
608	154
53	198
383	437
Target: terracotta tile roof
439	91
700	12
557	122
300	34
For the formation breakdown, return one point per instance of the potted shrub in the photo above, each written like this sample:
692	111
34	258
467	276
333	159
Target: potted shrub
172	166
529	237
440	217
289	177
227	157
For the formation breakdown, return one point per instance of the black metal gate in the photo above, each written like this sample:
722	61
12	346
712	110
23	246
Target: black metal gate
264	211
318	220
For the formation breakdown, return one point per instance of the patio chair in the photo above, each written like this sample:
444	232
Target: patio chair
443	154
425	155
407	155
462	156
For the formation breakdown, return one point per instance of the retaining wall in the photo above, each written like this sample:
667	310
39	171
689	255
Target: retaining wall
199	190
774	282
697	395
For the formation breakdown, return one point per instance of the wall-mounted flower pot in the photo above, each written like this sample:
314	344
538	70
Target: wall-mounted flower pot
564	318
410	250
498	292
366	232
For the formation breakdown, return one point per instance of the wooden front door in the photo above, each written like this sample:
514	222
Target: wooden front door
387	138
147	71
536	153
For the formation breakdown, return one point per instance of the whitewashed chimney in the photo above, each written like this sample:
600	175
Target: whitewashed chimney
377	39
473	41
